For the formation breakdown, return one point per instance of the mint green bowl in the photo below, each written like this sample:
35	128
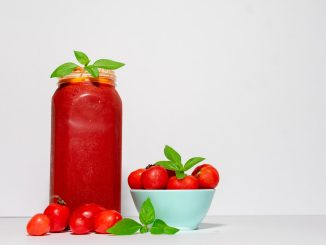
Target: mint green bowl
183	209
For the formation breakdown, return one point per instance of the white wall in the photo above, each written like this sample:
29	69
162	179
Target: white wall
239	82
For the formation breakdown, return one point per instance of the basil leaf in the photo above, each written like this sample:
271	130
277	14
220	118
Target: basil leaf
160	227
64	69
157	230
147	212
159	223
108	64
92	70
82	58
125	227
192	162
173	156
168	165
180	174
170	230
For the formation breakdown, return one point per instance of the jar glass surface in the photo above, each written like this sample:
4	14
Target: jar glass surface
86	140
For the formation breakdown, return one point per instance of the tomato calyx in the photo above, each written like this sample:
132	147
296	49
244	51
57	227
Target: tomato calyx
150	165
57	199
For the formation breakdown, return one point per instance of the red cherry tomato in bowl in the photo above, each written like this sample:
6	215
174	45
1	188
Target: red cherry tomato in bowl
134	179
105	220
58	215
90	211
155	177
207	176
38	225
188	182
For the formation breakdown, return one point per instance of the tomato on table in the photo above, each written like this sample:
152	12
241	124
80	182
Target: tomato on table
38	225
58	215
80	225
105	220
89	211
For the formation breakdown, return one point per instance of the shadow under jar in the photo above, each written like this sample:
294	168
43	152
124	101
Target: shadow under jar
86	140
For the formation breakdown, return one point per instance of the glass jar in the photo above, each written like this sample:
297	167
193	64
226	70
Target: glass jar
86	140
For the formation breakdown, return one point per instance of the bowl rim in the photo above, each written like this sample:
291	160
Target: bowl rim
173	190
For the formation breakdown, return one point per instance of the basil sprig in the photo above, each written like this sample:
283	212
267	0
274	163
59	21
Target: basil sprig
174	162
148	223
67	68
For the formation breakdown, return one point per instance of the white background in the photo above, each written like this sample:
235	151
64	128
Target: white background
239	82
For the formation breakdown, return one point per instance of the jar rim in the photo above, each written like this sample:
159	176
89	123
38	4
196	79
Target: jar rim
81	75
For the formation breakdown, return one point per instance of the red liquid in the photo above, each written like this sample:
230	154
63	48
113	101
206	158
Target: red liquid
86	143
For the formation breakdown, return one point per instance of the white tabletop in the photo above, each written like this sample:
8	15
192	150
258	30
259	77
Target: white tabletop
220	230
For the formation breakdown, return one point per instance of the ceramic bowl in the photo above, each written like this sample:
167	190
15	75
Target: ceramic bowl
183	209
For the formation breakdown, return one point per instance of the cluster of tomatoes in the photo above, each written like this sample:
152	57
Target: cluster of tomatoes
83	220
95	218
204	176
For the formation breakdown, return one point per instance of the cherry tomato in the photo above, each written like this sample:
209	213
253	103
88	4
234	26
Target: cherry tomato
188	182
80	225
38	225
89	211
105	220
156	177
58	215
207	175
134	179
198	168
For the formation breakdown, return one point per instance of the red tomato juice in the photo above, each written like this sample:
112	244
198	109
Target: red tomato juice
86	142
